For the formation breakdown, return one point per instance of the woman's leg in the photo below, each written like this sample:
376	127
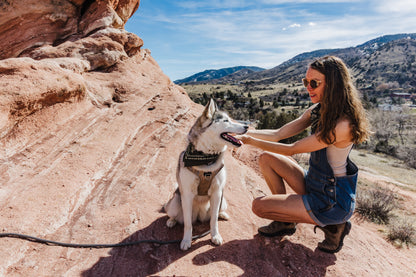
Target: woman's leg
282	207
276	168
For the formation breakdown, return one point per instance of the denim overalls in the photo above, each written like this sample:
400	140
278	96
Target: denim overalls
329	200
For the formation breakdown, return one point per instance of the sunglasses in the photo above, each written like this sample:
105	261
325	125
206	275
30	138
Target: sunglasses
313	83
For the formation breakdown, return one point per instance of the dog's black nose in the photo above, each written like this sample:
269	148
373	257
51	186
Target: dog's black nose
246	127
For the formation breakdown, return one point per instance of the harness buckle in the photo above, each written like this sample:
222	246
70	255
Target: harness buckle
207	174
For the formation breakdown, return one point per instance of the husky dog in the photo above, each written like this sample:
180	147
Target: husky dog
201	174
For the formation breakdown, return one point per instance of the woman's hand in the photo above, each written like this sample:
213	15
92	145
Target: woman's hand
245	139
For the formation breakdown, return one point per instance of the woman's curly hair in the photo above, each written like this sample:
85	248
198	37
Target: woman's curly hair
340	100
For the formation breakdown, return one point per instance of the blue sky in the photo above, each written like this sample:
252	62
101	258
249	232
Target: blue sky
188	36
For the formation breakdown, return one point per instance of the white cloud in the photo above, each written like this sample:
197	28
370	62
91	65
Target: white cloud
404	7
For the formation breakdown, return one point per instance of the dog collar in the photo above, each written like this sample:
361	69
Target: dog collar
192	157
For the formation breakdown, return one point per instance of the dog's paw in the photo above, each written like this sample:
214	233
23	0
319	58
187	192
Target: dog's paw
223	216
217	239
185	244
171	222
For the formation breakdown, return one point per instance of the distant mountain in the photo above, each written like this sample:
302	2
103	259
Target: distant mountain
212	74
386	59
384	39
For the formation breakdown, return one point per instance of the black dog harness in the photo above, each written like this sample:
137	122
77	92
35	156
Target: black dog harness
191	158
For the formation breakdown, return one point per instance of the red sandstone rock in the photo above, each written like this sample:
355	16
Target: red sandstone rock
27	24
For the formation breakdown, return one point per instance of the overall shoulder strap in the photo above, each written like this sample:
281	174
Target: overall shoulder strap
315	116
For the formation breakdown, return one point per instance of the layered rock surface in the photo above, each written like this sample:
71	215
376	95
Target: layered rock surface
28	24
91	130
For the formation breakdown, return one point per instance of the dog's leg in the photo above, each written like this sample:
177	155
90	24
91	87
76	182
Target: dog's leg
187	201
223	206
171	222
174	209
215	202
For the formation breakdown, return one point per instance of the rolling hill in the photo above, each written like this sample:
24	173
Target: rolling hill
213	74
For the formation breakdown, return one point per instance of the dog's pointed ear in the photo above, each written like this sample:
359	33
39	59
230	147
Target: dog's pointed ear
210	109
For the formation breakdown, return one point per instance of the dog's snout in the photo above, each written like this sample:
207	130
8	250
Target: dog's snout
245	129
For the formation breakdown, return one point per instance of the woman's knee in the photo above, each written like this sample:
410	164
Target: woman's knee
257	206
266	159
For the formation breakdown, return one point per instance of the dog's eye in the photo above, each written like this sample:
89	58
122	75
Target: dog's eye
226	120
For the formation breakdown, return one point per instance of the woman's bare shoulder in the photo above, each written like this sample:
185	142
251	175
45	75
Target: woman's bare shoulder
343	131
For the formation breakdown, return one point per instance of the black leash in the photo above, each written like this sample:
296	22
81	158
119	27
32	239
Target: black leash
75	245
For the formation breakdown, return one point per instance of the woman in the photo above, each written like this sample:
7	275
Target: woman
325	196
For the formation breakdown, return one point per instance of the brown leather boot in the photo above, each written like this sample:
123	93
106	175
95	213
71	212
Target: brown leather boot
277	228
334	236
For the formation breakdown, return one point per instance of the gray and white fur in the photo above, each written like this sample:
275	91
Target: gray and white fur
211	134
